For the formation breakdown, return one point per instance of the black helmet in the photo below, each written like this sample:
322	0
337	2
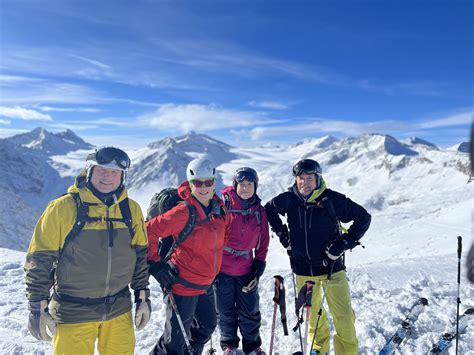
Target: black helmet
245	173
308	166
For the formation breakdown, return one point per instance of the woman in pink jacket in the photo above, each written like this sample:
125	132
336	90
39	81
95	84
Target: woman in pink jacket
243	264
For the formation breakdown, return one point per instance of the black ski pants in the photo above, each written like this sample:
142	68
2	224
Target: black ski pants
238	310
198	314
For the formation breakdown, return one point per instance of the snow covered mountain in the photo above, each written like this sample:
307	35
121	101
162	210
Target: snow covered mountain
50	143
371	168
31	177
417	193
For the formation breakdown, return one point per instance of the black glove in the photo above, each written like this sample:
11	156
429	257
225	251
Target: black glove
284	237
165	273
142	308
335	249
258	267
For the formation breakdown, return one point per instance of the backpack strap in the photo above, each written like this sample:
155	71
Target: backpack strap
184	234
124	206
227	202
82	215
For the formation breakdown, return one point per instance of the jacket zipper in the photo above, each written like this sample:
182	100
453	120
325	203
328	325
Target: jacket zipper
110	231
306	239
215	250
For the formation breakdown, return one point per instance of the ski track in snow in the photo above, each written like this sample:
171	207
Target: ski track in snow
382	295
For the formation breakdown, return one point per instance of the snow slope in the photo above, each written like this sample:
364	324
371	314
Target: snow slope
382	294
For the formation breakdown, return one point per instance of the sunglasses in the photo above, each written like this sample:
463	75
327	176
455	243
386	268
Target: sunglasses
110	154
200	183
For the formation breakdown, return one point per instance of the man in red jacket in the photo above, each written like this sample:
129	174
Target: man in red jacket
242	265
194	264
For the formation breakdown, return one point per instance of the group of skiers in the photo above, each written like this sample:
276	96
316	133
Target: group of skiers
208	253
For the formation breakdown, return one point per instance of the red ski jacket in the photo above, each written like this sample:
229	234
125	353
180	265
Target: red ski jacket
198	259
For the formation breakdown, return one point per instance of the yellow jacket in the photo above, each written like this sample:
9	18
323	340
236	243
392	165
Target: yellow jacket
99	262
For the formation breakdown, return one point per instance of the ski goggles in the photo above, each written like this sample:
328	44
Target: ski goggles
246	174
307	167
110	155
201	183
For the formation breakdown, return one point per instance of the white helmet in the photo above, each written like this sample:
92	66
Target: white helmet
108	157
201	168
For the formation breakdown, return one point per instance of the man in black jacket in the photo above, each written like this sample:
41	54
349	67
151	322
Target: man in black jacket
315	242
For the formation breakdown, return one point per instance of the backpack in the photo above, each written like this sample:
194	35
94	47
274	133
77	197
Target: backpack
162	202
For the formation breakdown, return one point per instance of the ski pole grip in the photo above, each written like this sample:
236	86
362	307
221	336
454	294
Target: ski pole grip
459	246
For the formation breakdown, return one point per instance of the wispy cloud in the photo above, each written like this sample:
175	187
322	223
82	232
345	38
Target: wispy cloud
37	92
201	118
272	105
9	132
348	127
22	113
465	118
68	109
75	126
186	64
12	79
93	62
46	91
5	122
422	88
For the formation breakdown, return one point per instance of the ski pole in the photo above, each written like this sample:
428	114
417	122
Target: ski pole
212	351
297	314
180	322
320	311
459	284
307	306
275	305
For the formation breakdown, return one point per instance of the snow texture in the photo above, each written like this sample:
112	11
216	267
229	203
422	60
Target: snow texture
418	196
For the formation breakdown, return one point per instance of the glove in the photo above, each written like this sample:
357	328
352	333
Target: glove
258	267
335	249
165	273
40	319
284	237
142	308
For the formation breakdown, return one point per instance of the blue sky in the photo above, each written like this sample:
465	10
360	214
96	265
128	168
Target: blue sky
246	72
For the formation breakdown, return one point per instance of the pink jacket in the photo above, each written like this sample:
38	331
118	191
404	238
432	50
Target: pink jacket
248	238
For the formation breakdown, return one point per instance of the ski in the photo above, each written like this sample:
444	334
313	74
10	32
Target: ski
445	341
405	328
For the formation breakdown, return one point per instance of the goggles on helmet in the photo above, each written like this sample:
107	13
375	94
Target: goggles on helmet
110	155
307	166
248	174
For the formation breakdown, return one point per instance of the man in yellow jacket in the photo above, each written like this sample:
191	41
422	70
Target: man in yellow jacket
87	248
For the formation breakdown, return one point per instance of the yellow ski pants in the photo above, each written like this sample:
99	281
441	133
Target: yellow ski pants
115	336
338	298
